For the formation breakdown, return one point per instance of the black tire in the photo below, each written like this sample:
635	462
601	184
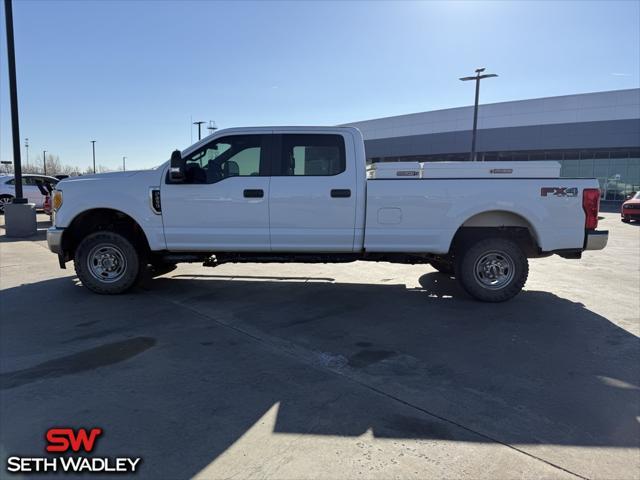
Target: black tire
122	253
4	199
626	220
443	266
492	269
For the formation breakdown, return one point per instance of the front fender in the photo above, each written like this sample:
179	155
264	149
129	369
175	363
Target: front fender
127	195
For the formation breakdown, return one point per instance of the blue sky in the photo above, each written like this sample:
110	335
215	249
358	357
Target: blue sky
131	74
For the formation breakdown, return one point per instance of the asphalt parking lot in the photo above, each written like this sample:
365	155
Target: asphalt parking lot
330	371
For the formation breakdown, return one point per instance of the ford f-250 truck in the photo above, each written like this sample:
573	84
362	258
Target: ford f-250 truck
304	194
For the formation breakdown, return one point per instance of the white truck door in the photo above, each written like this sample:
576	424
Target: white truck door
223	204
313	199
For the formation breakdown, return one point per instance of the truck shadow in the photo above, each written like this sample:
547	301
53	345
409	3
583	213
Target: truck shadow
207	357
540	367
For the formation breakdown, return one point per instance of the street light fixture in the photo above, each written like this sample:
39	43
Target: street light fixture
93	147
477	77
199	129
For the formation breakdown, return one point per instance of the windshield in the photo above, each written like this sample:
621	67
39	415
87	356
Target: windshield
637	196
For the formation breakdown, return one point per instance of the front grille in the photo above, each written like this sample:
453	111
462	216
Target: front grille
633	206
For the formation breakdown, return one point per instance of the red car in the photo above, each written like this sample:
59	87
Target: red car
631	209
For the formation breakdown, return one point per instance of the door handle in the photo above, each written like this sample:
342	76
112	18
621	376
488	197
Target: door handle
253	193
341	193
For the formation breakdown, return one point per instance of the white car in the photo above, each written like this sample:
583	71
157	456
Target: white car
30	190
303	194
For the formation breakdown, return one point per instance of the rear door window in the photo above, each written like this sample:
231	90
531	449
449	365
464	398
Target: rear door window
312	155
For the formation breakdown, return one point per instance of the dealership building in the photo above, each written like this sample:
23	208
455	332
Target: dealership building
591	135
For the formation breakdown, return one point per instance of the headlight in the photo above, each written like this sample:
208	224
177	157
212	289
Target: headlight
56	201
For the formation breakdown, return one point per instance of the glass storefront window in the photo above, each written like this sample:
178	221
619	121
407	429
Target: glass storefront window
601	168
586	167
618	177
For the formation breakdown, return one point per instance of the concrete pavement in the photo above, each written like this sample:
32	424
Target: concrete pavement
361	370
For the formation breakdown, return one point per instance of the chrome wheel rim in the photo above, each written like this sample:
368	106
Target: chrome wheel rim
494	270
4	201
106	263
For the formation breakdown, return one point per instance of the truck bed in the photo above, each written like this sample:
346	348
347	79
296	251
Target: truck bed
423	212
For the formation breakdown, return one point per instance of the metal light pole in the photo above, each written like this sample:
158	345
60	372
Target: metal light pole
20	216
199	131
44	161
13	93
93	147
26	147
478	76
123	163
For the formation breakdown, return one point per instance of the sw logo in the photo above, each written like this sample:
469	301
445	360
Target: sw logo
61	439
65	441
559	191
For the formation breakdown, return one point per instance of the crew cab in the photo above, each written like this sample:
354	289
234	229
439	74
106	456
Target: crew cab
305	194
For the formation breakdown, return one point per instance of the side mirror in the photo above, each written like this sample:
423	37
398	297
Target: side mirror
177	167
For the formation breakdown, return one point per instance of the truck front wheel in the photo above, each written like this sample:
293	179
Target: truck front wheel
107	263
492	269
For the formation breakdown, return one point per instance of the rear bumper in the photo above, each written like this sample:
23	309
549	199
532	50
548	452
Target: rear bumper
596	240
54	239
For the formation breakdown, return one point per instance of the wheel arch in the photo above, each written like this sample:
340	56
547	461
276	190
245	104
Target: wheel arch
502	223
96	219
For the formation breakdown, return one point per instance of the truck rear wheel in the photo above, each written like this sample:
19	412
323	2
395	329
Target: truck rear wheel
107	263
492	269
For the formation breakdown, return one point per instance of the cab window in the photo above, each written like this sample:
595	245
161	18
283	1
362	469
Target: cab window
232	156
312	155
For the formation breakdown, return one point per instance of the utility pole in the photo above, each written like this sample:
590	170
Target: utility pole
477	77
123	163
26	147
199	129
93	147
44	161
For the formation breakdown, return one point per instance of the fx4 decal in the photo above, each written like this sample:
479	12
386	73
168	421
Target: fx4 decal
559	191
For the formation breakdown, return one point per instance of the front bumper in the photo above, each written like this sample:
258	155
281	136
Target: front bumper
54	239
629	213
596	240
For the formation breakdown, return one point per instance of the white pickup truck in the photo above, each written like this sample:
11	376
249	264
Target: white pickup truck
304	194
